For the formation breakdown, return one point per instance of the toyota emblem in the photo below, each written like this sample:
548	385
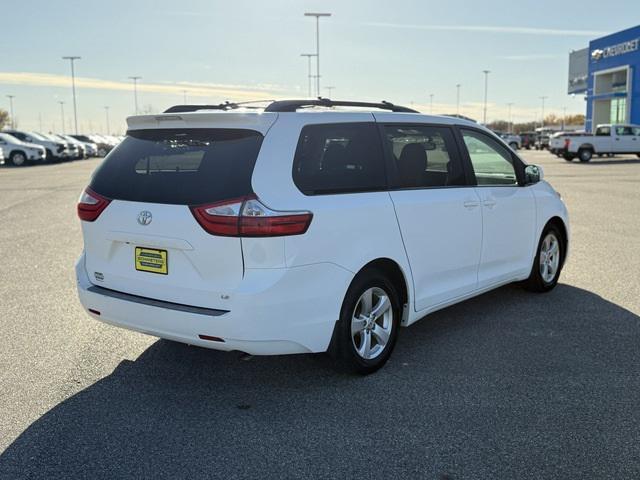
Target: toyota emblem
145	217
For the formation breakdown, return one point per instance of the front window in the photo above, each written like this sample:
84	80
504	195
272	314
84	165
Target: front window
492	163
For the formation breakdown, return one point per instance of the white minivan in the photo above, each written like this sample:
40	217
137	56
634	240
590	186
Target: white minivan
309	226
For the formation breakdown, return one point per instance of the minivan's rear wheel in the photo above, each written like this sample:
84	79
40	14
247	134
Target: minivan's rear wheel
548	262
366	333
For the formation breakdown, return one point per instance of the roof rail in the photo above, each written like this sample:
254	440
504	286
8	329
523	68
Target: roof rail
293	105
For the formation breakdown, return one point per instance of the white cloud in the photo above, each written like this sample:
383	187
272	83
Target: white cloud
244	92
491	29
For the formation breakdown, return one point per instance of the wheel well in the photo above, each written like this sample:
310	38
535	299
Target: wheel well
559	224
393	271
13	152
586	146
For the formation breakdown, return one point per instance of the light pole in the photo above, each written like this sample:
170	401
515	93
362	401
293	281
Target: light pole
564	115
62	115
106	113
73	89
458	99
329	91
317	15
135	91
13	122
431	103
510	122
486	83
543	98
309	75
184	96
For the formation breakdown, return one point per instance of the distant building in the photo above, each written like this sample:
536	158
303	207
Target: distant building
608	73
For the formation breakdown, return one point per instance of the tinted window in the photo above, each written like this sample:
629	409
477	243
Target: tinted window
492	162
179	166
339	158
603	131
423	156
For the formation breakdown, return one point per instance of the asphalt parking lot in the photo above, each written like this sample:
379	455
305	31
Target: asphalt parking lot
507	385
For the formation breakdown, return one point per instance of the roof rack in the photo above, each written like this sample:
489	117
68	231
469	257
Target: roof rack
293	105
290	105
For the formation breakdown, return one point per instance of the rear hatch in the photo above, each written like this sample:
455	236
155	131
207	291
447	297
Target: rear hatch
147	241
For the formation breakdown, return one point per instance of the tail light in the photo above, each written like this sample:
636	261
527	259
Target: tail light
567	142
91	205
249	217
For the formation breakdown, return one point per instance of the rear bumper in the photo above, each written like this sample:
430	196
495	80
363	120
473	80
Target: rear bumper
273	312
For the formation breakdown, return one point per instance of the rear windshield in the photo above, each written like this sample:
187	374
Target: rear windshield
179	166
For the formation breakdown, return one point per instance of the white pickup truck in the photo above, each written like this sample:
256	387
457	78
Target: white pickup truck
607	139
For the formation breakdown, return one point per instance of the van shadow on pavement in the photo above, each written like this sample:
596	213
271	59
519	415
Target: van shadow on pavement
507	385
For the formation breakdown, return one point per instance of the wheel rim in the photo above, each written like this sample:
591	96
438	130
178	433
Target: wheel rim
586	155
372	323
18	159
549	257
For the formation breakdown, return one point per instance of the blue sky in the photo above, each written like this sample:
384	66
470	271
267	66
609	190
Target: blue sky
399	51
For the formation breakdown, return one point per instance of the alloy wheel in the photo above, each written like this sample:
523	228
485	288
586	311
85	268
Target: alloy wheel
372	323
549	257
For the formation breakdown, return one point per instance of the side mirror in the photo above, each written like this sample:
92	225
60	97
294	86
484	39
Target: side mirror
533	174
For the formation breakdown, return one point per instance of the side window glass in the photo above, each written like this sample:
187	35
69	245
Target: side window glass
603	131
624	131
423	156
492	163
339	158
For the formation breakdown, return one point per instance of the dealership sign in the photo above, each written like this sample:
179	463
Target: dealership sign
615	50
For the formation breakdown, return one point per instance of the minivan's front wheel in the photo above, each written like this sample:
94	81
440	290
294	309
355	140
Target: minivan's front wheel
366	333
548	262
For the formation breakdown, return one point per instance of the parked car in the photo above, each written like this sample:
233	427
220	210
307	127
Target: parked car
73	150
511	139
88	149
607	139
19	153
295	231
103	147
527	140
55	150
542	141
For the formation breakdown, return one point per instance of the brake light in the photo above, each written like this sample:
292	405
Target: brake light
249	217
567	142
91	205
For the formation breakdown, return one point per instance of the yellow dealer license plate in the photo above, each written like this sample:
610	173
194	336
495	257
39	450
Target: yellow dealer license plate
151	260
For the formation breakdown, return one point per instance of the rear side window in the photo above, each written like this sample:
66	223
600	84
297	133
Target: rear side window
179	166
339	158
423	156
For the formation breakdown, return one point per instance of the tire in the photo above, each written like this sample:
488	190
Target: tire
352	331
18	159
544	276
568	156
585	154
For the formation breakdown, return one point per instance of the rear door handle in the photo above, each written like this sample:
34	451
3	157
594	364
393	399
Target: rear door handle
471	204
489	202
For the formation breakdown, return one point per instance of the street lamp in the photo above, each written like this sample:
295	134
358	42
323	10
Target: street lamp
135	91
184	96
317	15
13	122
486	82
510	122
329	91
73	89
62	115
564	116
543	98
309	75
431	103
458	99
106	113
